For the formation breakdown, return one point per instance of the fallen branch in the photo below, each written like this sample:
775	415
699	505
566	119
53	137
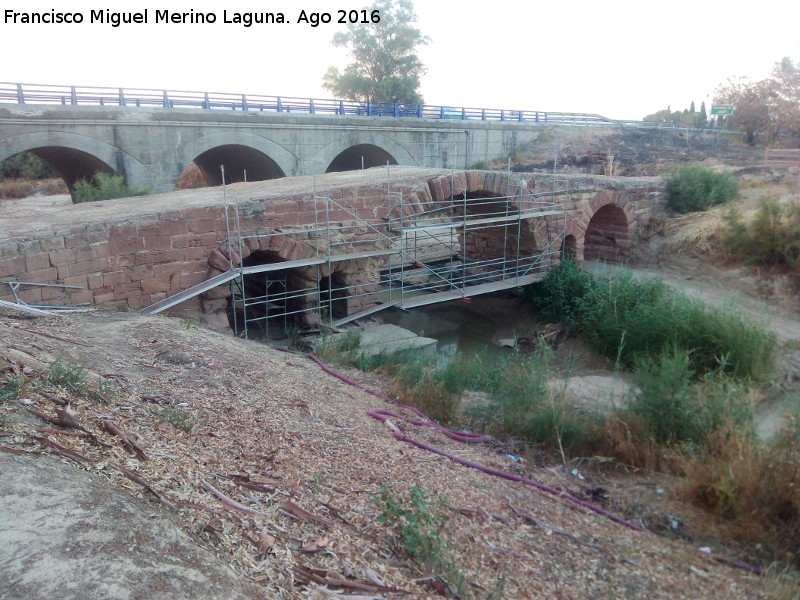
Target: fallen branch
136	479
61	449
303	514
321	577
549	528
230	503
65	418
132	446
13	450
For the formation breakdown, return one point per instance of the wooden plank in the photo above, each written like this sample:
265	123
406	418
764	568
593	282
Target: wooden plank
474	290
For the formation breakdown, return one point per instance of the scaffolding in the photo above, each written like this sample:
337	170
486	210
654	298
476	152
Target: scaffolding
417	254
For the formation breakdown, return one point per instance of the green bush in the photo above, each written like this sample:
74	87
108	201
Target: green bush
674	407
558	295
104	187
771	238
692	188
629	319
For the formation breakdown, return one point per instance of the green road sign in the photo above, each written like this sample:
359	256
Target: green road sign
721	109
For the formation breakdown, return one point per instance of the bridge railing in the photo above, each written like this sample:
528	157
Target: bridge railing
29	93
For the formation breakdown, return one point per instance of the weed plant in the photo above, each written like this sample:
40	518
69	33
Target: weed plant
753	485
693	188
417	523
12	387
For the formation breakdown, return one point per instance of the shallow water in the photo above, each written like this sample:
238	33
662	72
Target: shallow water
470	328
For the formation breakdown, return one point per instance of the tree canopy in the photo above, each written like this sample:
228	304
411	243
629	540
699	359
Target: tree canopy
385	65
770	106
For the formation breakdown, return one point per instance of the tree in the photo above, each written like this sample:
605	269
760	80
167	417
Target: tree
385	65
770	106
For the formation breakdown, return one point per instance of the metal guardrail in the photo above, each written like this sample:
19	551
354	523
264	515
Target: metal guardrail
28	93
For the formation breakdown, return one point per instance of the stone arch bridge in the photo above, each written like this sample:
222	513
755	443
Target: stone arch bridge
335	233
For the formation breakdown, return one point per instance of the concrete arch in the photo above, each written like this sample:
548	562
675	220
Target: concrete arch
320	162
76	156
360	156
608	228
245	149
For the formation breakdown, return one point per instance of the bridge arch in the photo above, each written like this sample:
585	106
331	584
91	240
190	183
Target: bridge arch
76	156
344	153
609	229
299	293
238	151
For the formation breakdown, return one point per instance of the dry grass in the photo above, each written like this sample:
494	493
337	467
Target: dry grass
52	187
191	178
13	189
754	487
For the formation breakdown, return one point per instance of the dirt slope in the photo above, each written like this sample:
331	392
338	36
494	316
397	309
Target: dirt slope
214	409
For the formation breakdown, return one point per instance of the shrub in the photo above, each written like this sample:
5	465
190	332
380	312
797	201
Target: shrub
25	165
629	319
104	187
558	295
692	188
417	524
675	408
771	238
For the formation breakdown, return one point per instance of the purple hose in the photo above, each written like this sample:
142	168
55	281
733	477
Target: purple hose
382	415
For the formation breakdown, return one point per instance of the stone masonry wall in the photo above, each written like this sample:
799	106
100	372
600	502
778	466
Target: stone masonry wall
135	260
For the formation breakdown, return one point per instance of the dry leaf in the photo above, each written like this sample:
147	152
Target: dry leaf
266	542
317	544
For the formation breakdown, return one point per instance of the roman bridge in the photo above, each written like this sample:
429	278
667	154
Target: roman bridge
296	251
150	136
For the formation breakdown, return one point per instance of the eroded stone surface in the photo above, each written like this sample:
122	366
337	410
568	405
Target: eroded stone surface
67	534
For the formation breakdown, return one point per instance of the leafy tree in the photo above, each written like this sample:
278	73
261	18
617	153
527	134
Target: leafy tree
770	106
385	65
25	165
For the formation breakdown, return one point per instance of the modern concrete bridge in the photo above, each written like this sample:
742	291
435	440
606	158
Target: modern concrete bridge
150	136
150	147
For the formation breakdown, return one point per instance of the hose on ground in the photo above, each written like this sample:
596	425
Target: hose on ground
383	415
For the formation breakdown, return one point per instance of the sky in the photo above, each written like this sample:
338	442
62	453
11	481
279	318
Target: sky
617	58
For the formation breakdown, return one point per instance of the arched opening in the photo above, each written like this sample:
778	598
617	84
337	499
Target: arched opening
269	304
496	240
48	162
569	248
241	163
607	235
333	293
360	156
